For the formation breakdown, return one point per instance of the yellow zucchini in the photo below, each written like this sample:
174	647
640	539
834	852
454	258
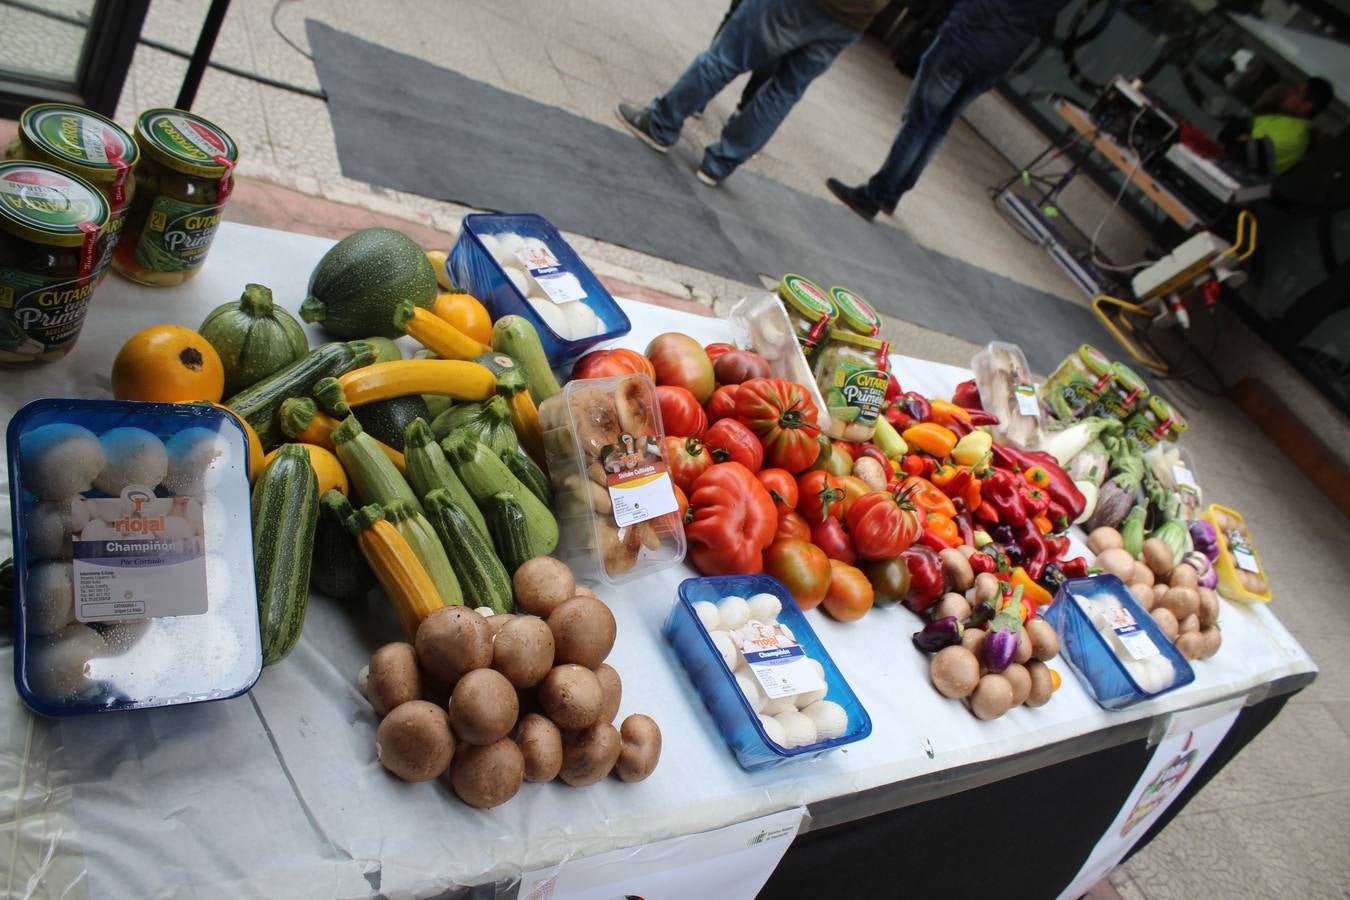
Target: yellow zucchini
400	573
436	334
450	377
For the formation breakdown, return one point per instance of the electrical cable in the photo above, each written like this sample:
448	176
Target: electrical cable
181	54
1120	195
276	7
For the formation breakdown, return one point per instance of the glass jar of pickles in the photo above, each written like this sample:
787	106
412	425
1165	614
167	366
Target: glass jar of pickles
1076	383
852	371
1123	394
809	309
182	184
1156	421
86	144
855	313
51	226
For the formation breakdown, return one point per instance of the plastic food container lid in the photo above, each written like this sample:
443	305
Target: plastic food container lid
134	579
1167	413
855	312
88	144
806	297
186	143
1096	362
1129	381
47	205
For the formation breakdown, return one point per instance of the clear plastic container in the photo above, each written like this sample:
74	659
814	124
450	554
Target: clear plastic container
1174	468
1082	609
612	493
474	267
716	682
761	323
133	555
1007	391
1237	555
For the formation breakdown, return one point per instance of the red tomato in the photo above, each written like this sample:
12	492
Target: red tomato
680	360
782	487
853	488
730	440
604	363
803	568
819	496
831	537
683	507
715	351
879	527
792	525
739	366
849	596
783	415
723	403
681	413
687	458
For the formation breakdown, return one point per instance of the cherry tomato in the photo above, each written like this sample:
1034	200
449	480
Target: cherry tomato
792	525
723	403
681	414
803	568
831	537
728	439
849	596
782	487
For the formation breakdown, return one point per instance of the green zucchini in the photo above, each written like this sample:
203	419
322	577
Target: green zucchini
516	337
385	420
362	279
428	470
258	405
339	570
482	576
510	532
427	547
285	515
486	476
527	470
490	421
374	478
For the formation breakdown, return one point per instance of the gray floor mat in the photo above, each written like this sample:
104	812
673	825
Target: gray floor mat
406	124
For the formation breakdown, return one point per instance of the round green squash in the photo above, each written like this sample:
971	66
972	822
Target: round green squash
254	338
360	282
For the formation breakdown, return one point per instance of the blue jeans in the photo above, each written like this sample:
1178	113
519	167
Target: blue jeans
943	87
795	33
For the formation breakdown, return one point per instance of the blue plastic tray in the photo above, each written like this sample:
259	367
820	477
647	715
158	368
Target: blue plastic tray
472	268
716	684
1093	660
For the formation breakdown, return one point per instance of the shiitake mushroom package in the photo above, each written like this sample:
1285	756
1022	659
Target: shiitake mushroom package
133	555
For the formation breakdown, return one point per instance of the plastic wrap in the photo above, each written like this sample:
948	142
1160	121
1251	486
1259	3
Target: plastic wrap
1237	554
1007	391
760	323
1174	468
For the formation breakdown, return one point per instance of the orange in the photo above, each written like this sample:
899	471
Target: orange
325	465
465	313
167	364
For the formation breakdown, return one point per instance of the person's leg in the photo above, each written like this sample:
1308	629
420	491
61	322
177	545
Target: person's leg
750	129
758	78
941	90
746	41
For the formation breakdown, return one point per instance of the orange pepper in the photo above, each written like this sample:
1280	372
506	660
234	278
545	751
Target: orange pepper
853	488
927	497
943	475
930	437
1030	590
1042	523
945	412
944	527
1036	476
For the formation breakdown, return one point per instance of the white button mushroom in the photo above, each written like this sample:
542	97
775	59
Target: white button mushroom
801	731
49	525
733	612
60	460
197	460
518	279
725	647
806	699
581	319
779	705
829	717
551	315
776	732
49	598
60	666
707	615
750	687
765	607
131	456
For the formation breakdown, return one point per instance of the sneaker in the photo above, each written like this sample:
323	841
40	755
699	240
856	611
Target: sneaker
854	198
637	119
707	177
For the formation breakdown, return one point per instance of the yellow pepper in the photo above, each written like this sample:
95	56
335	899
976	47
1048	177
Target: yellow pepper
1030	589
931	438
945	412
970	448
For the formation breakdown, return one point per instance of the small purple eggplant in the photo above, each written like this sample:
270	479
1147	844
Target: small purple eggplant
939	633
1005	634
1002	533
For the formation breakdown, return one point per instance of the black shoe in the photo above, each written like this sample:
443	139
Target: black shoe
707	177
637	119
854	198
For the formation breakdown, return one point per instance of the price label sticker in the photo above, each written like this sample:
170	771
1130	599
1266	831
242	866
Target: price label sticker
560	285
777	661
640	487
1027	404
1184	477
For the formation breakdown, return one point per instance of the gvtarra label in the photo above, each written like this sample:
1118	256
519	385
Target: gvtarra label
177	235
857	392
41	313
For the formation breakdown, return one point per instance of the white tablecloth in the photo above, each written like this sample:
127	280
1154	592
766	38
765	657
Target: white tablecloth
278	792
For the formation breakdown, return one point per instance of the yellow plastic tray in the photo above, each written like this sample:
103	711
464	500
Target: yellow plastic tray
1227	568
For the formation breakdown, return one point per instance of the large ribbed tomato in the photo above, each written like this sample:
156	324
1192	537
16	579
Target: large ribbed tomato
732	521
618	361
783	415
880	527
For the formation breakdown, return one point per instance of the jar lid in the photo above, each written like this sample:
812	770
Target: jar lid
1166	412
47	205
1097	363
855	312
186	143
1129	382
806	297
853	339
83	141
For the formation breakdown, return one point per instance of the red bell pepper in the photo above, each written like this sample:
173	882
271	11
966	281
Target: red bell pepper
1075	568
967	533
899	419
1059	487
1057	545
1001	491
926	580
982	562
967	395
893	389
985	514
1034	500
980	417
